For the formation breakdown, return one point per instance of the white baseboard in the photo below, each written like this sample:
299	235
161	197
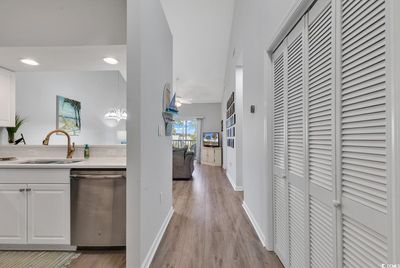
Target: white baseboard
152	251
253	221
235	187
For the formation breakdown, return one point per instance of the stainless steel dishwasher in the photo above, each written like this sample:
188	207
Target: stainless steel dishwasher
98	208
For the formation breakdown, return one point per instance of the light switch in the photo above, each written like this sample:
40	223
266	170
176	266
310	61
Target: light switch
161	130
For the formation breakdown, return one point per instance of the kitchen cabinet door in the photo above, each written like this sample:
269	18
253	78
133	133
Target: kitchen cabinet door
208	156
217	156
7	98
205	158
48	214
13	214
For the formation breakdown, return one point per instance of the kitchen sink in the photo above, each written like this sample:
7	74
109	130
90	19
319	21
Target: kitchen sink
51	161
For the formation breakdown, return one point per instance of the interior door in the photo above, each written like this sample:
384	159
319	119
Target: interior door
49	214
296	145
13	214
364	129
280	187
321	135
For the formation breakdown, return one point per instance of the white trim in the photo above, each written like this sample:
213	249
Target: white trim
294	15
234	186
306	145
152	251
255	224
393	82
268	154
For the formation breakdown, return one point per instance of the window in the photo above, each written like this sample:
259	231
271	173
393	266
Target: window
184	133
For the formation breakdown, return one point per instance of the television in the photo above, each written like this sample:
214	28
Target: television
211	139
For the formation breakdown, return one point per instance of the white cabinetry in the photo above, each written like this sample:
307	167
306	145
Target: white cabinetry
48	214
13	214
211	156
34	211
7	98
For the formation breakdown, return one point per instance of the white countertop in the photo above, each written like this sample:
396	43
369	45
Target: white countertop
95	162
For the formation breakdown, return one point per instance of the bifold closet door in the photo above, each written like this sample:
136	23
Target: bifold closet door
280	187
331	146
296	145
321	135
364	128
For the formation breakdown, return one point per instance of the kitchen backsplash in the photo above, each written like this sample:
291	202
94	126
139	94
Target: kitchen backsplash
60	151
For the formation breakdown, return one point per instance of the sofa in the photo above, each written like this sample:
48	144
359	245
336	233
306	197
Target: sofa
183	164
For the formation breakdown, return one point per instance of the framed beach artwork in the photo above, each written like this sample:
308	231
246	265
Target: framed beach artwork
69	115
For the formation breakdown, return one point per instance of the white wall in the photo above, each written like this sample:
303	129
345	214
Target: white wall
210	112
149	155
97	91
255	24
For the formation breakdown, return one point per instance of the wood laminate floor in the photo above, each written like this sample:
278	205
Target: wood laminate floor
100	259
210	228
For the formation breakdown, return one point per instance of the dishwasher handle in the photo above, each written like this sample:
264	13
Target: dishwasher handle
97	176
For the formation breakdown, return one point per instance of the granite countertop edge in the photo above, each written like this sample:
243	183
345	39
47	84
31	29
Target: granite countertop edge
115	162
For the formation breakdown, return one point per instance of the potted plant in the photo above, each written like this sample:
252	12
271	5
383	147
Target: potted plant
12	130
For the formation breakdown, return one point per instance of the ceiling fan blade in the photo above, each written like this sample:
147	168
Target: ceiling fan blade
183	100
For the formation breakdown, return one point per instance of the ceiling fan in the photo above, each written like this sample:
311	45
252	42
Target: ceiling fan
181	100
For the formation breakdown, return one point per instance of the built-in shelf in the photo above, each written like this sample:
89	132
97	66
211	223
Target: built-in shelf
231	121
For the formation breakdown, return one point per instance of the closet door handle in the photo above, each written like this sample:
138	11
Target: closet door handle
336	203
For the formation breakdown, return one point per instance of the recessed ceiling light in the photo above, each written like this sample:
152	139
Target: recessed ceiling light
110	60
30	62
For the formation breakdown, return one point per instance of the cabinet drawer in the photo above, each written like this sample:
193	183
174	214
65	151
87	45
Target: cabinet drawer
34	176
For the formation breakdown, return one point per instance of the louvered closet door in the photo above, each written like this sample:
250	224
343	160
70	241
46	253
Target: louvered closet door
364	128
280	194
321	135
296	145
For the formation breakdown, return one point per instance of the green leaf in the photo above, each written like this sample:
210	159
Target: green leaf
19	121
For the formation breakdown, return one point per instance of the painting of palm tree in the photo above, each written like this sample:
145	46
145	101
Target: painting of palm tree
69	115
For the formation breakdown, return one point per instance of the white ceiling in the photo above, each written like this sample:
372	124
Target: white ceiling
76	34
63	35
201	31
30	23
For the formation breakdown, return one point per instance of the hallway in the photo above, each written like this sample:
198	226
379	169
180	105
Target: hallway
209	227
